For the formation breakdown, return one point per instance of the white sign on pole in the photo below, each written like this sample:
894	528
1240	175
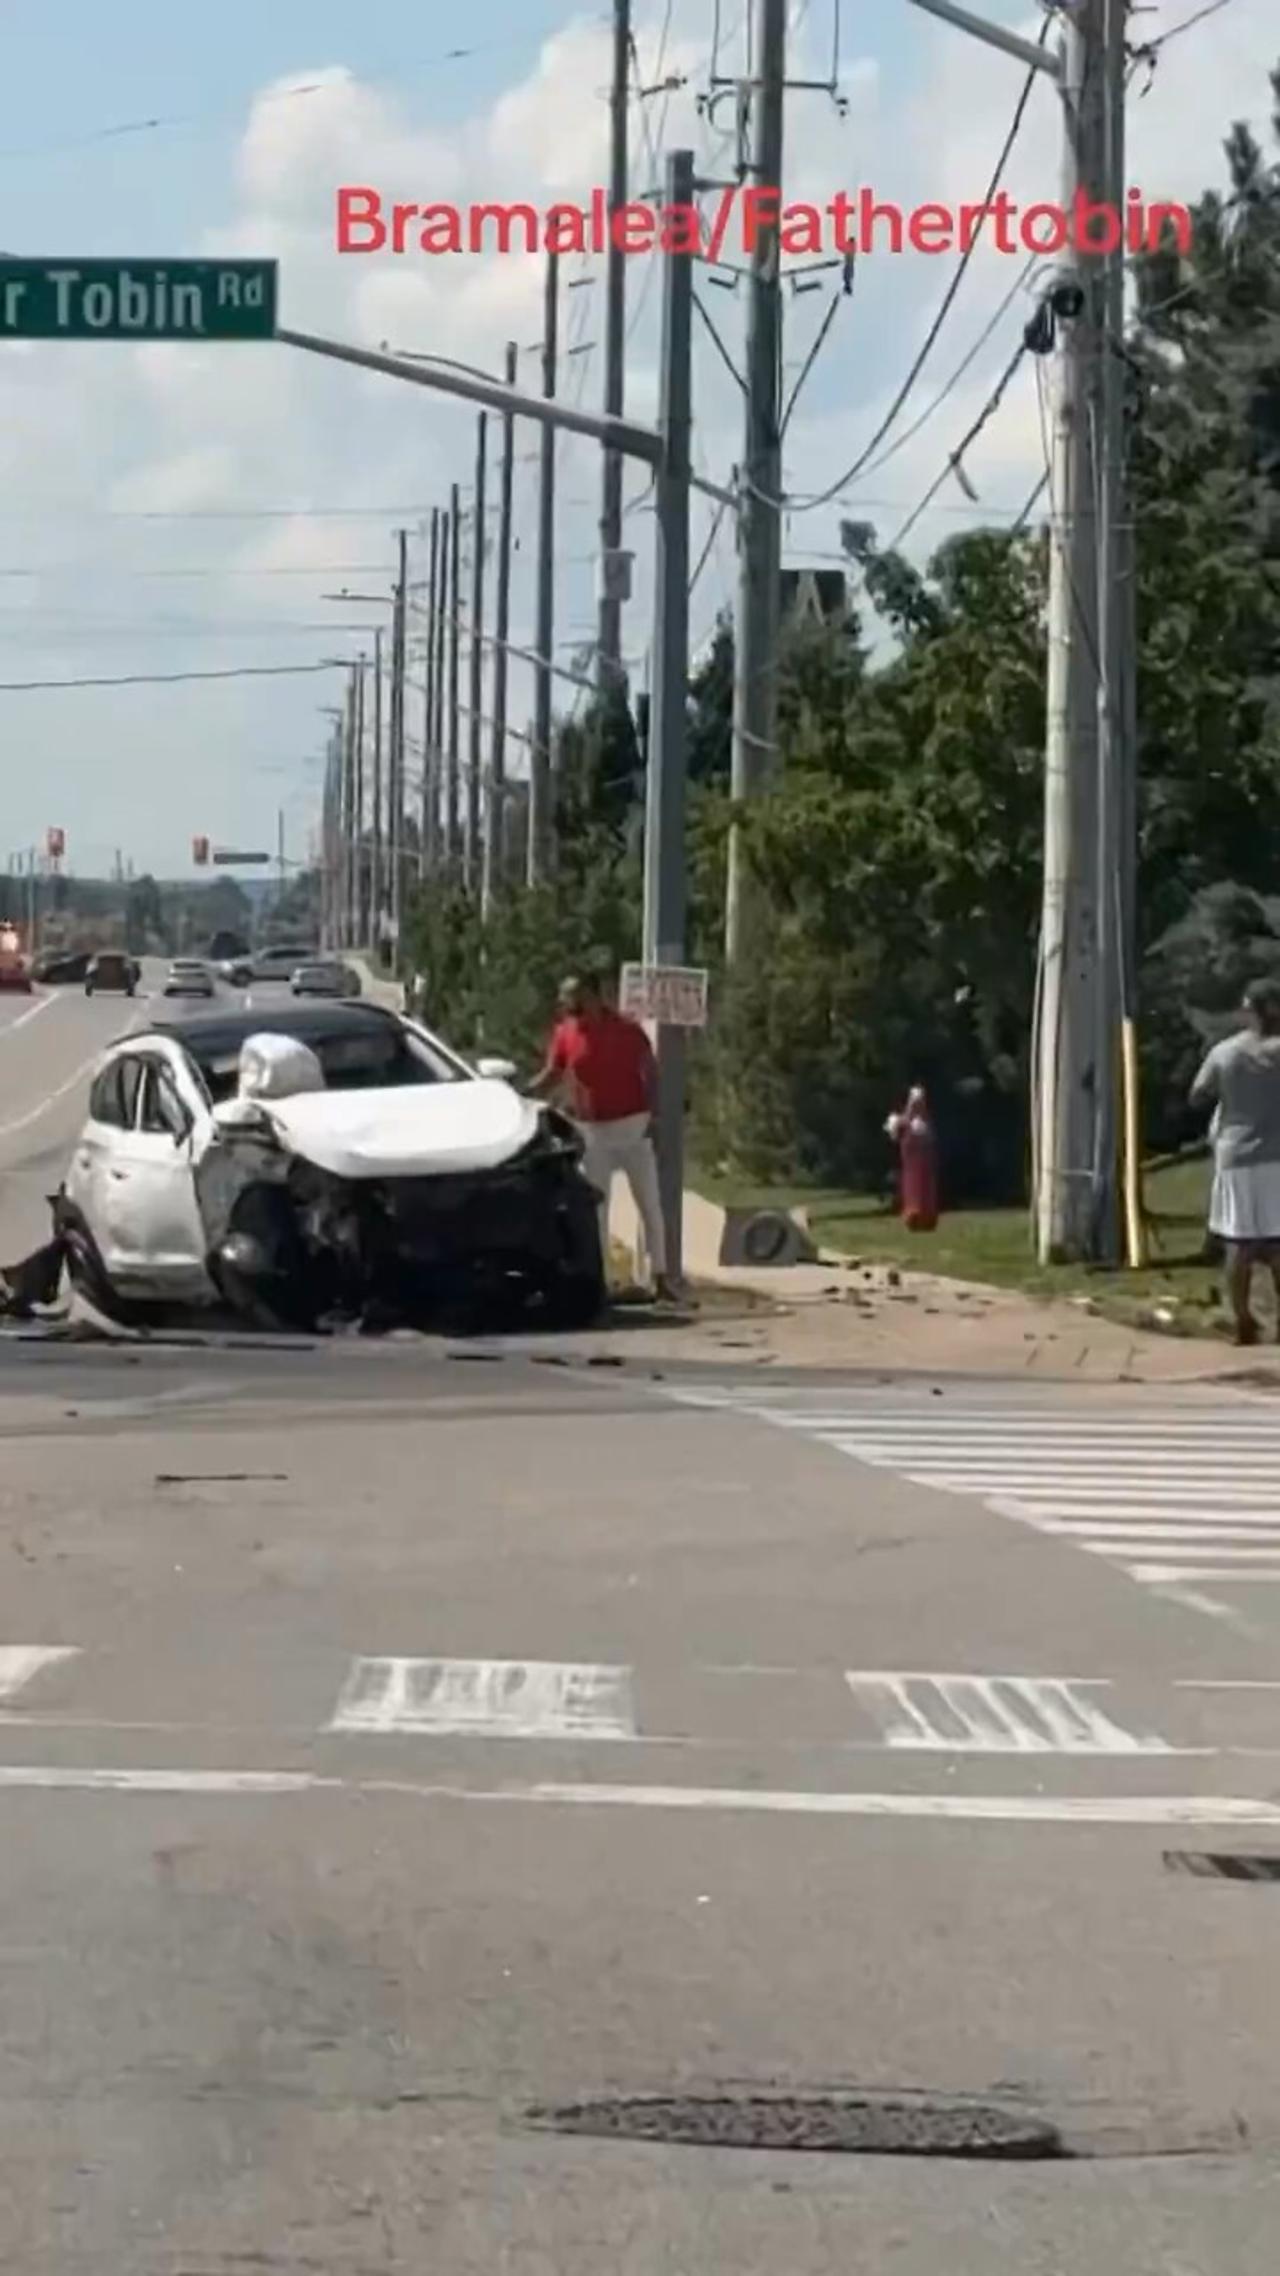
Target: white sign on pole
667	995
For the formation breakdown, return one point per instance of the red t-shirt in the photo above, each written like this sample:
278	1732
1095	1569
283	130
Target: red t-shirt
609	1063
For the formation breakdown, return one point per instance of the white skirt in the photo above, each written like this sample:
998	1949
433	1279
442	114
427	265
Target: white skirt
1245	1203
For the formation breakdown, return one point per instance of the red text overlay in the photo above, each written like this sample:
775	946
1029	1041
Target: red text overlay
851	222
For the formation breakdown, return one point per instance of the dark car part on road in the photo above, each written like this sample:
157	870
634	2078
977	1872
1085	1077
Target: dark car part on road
33	1285
1206	1865
856	2125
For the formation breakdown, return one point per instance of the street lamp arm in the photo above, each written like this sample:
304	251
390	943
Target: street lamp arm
993	35
616	434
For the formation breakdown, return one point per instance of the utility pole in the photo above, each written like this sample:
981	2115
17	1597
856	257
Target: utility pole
609	636
280	861
347	807
665	853
758	612
494	824
471	849
544	638
357	816
396	756
455	635
436	730
430	815
1085	799
378	885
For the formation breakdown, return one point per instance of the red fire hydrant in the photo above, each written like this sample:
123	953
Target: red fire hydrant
913	1133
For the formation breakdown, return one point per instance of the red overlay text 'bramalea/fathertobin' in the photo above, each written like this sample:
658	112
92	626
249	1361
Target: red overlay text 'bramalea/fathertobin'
851	222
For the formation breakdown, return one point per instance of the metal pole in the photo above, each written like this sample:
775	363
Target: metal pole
665	851
280	861
348	800
755	690
359	929
1114	758
471	851
609	635
353	805
544	641
396	756
1069	1058
455	637
430	813
378	891
495	810
440	636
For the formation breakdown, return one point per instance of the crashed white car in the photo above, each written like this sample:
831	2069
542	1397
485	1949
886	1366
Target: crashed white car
323	1161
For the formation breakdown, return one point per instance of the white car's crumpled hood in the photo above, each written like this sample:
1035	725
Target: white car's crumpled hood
417	1130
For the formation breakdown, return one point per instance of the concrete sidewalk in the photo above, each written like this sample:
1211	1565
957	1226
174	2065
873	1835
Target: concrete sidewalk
840	1313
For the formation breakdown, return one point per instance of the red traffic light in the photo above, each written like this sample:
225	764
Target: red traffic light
55	843
200	852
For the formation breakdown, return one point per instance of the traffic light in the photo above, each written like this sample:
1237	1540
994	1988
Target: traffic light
200	852
55	843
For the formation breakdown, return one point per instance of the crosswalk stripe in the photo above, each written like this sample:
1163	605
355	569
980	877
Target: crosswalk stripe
1003	1714
1165	1496
526	1699
21	1663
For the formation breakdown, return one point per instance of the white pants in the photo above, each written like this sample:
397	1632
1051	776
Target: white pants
627	1147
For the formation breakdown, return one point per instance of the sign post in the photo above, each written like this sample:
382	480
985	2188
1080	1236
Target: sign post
137	300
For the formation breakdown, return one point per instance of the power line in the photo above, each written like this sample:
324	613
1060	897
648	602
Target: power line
209	513
988	411
1175	31
391	75
172	679
816	347
807	505
944	393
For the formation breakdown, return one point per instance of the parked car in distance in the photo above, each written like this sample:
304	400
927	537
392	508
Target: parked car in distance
235	970
281	962
15	972
189	978
328	976
111	974
61	967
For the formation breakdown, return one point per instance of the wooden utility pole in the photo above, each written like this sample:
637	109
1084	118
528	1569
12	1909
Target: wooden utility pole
544	638
495	804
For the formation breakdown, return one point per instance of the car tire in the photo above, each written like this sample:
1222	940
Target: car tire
577	1296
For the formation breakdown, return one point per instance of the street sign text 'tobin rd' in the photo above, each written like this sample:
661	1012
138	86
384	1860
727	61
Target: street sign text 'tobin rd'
137	300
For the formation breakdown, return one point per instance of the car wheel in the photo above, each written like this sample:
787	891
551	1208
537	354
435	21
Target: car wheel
577	1294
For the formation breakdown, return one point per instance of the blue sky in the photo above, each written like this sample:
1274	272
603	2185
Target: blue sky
169	510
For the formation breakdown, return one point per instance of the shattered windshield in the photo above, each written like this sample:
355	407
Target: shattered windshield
369	1061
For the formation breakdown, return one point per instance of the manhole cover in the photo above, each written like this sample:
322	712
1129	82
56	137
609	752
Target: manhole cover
1207	1865
863	2126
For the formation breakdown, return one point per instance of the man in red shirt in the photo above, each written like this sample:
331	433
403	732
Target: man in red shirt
604	1063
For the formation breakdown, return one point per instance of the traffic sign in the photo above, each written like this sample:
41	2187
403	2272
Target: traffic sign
225	858
670	995
137	300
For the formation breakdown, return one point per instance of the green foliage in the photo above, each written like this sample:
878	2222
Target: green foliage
899	854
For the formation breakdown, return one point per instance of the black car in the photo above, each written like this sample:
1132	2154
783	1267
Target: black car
60	967
111	973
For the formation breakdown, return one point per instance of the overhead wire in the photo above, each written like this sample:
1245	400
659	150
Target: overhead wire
825	497
174	679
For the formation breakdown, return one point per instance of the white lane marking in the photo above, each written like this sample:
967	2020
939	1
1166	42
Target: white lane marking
1013	1485
1157	1575
1234	1526
1031	1510
24	1019
1172	1554
20	1663
1002	1714
525	1699
43	1775
1031	1809
86	1066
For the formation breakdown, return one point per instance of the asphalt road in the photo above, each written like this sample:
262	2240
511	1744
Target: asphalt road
395	1742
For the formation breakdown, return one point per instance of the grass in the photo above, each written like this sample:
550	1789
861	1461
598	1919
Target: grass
993	1246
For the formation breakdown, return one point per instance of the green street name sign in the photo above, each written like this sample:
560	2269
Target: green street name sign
137	300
